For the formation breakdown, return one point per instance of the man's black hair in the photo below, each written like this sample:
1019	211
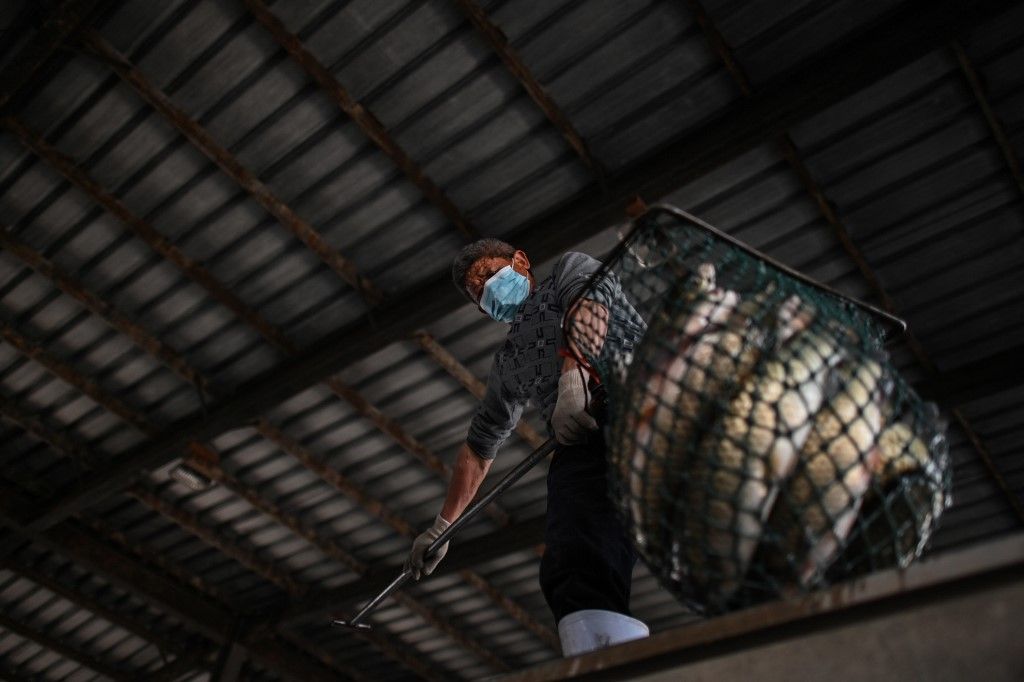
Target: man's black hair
471	253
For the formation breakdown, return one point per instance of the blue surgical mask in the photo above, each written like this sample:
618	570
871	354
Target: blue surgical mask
503	293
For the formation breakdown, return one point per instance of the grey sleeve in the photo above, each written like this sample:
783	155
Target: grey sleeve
572	274
497	415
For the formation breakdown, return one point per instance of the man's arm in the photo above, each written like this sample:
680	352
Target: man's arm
470	471
587	325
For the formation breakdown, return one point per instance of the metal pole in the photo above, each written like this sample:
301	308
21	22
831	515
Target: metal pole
504	484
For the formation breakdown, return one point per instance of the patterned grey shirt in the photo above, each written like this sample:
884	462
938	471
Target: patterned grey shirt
527	365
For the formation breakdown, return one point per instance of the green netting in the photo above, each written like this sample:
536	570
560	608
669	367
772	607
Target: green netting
760	440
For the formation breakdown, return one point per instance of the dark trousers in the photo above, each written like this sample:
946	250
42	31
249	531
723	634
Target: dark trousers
588	562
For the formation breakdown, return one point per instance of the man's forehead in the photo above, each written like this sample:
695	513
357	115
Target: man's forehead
487	261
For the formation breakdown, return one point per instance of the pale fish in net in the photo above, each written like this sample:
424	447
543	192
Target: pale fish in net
821	500
732	481
680	364
911	482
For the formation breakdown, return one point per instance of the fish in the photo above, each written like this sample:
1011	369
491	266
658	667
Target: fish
682	363
733	478
914	467
821	500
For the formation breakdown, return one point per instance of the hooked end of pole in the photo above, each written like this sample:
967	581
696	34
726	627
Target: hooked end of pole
351	626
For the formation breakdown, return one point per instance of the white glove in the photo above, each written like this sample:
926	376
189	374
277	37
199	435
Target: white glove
419	564
570	420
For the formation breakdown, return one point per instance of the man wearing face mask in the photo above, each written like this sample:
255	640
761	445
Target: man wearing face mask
586	570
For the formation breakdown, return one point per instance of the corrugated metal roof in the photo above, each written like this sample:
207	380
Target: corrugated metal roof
316	496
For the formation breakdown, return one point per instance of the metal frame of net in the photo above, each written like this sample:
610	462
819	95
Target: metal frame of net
760	440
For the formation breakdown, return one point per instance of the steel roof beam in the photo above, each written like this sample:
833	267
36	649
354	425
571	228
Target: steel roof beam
159	350
31	423
908	33
410	444
188	521
198	613
195	271
272	573
70	375
360	115
66	445
175	670
135	627
995	126
496	38
520	536
449	363
207	461
66	651
401	526
829	212
232	167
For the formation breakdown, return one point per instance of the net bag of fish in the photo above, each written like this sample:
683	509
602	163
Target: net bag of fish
760	441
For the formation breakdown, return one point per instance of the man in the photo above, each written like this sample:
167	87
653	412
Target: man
586	570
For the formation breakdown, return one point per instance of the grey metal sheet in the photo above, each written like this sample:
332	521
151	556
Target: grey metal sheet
908	162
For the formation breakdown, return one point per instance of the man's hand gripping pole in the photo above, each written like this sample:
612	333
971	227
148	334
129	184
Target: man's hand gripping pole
357	622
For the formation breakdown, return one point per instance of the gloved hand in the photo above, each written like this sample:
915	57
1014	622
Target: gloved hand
420	565
570	420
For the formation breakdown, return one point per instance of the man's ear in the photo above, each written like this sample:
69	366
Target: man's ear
520	261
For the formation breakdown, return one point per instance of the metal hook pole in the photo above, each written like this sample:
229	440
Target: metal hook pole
504	484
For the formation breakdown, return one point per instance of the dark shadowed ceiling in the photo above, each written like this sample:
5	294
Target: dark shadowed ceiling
225	231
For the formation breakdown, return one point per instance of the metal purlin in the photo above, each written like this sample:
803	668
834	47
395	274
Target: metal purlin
828	211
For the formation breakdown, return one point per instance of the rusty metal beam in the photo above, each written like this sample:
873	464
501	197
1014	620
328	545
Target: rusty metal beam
202	615
400	525
912	30
143	230
121	620
67	651
413	446
518	537
461	373
157	562
435	464
262	647
270	572
77	543
59	440
70	375
162	352
232	167
517	67
828	211
390	427
207	461
360	115
193	524
328	474
179	516
62	22
995	126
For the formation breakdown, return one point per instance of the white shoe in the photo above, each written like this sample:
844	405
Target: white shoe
592	629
